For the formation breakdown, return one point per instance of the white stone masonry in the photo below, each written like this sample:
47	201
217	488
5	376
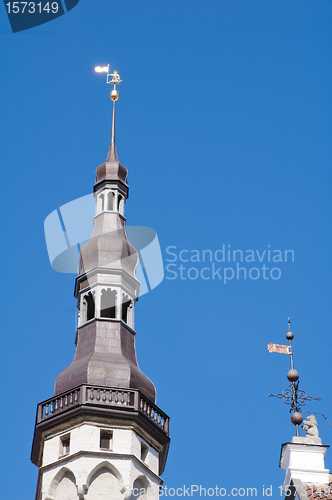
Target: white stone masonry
87	471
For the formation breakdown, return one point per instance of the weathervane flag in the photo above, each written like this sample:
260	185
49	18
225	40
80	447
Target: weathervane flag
284	349
101	69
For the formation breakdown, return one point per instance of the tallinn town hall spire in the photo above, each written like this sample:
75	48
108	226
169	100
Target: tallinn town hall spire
101	436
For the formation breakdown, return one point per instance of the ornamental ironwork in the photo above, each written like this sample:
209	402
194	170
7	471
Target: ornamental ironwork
292	396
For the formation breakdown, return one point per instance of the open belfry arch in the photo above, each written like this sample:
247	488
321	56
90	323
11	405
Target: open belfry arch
101	436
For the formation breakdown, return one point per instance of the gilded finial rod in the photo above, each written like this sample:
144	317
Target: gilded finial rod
113	126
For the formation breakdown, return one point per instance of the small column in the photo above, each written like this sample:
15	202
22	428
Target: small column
115	200
121	206
97	298
105	193
110	197
118	309
82	312
98	205
131	315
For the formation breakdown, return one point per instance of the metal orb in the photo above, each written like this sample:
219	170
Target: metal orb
293	375
296	418
114	95
289	335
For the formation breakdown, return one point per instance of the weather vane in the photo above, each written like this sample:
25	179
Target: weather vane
111	78
292	396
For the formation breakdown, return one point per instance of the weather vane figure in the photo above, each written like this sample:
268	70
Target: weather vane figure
292	396
111	78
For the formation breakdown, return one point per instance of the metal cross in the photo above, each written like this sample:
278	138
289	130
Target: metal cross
294	397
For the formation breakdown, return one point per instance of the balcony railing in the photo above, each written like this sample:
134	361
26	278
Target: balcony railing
89	395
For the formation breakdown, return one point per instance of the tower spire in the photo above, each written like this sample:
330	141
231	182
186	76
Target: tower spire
112	155
111	169
101	435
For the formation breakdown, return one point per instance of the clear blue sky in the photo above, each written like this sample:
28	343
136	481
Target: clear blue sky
224	123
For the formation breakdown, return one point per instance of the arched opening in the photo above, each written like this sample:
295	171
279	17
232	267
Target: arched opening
89	306
104	482
107	305
140	489
63	486
102	202
119	202
111	201
125	309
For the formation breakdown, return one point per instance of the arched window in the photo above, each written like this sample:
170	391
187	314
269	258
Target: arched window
107	306
89	306
140	490
125	309
63	485
119	202
102	202
104	485
111	201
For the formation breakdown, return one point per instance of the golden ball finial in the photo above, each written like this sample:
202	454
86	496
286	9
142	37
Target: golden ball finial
114	95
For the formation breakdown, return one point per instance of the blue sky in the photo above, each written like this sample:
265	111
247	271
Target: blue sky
224	123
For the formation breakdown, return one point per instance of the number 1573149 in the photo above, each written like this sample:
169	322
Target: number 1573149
31	7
